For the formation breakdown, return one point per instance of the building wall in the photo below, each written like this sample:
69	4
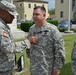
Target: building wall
25	12
64	7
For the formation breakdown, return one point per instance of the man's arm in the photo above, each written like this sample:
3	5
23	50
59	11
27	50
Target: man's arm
7	43
59	52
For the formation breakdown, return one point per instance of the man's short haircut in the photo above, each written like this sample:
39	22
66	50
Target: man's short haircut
40	7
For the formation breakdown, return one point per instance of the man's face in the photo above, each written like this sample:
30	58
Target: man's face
38	15
6	16
10	18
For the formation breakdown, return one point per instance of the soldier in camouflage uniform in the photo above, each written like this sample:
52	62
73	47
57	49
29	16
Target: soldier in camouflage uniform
47	56
73	58
8	47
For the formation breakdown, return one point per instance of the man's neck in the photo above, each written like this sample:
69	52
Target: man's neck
40	24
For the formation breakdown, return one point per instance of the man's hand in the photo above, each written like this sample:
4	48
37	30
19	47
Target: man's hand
33	39
55	72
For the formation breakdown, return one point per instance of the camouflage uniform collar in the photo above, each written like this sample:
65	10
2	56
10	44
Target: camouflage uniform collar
43	25
4	23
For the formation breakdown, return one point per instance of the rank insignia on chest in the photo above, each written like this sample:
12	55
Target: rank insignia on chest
5	34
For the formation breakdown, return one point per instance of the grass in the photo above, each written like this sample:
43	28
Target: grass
69	41
66	69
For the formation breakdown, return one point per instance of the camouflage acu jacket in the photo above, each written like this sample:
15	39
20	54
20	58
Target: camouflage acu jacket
49	53
8	47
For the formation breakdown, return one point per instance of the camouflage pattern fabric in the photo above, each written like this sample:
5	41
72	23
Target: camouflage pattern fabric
73	58
6	73
49	53
8	47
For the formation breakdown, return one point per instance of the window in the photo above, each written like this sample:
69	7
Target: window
29	5
62	1
20	5
73	4
43	5
61	14
34	5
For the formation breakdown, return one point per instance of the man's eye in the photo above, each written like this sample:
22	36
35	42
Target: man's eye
36	14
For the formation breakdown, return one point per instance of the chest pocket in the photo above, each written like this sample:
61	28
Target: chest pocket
43	38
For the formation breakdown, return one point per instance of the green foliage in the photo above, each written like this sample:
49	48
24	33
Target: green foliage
26	25
55	22
63	29
51	11
73	29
